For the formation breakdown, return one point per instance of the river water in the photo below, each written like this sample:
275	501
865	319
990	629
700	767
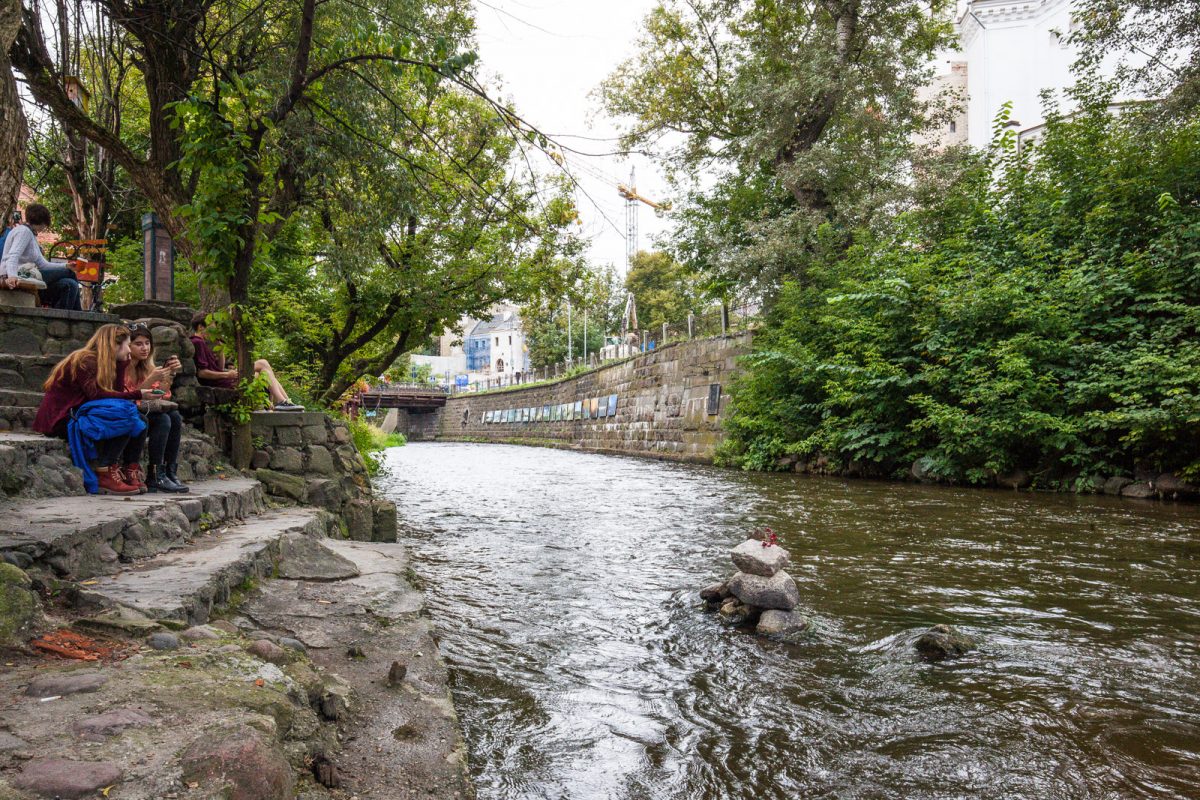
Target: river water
563	590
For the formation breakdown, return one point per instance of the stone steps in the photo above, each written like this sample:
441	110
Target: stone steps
186	584
25	372
32	465
21	398
85	536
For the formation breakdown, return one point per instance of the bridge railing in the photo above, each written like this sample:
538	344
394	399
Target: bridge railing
407	388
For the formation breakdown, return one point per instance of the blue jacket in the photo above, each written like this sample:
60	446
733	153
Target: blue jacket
95	421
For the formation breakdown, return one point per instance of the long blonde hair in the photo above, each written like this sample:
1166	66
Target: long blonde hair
101	351
137	373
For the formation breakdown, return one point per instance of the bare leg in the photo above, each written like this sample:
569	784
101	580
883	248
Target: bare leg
278	395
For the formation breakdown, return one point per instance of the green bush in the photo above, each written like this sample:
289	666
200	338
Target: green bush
1042	315
370	441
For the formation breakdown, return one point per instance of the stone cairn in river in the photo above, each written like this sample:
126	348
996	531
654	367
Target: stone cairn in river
760	593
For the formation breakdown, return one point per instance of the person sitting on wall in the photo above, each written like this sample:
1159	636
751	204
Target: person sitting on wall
211	371
86	403
22	258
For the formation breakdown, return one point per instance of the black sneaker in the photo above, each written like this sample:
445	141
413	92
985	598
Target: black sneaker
287	407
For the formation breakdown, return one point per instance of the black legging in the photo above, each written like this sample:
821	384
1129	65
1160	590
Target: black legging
120	449
166	427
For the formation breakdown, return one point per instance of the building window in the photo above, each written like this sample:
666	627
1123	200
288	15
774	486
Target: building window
497	341
953	126
510	340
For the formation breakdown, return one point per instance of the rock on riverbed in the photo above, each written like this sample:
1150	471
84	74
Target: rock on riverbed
760	593
942	642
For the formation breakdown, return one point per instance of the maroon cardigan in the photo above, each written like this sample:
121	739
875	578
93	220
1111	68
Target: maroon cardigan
69	394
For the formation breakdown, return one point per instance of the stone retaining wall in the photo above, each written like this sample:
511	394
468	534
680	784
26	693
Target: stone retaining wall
309	458
663	405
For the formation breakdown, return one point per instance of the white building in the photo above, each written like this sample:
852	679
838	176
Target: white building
1009	51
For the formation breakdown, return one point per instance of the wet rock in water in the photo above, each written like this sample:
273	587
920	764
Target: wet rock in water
778	591
783	624
715	591
163	641
268	651
755	557
735	612
1115	484
65	683
239	765
110	723
941	642
59	777
1140	491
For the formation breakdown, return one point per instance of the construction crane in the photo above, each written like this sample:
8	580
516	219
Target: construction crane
632	198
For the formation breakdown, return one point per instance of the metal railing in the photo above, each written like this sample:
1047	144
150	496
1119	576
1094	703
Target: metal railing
715	322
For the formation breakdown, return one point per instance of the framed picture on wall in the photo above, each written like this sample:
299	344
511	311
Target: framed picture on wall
577	411
545	413
594	404
612	405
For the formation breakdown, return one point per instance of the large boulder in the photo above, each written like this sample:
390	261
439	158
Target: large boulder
19	606
786	625
778	591
942	642
756	557
305	558
59	777
239	764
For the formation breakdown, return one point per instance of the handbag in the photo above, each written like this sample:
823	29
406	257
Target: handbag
29	273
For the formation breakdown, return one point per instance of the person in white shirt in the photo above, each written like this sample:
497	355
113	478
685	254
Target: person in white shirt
21	247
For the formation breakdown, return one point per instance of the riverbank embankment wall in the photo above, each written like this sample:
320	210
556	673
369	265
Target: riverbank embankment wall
669	404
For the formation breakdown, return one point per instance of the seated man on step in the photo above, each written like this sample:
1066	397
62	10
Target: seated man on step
211	371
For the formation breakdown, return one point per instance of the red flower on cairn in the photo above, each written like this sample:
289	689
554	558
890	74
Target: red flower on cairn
768	537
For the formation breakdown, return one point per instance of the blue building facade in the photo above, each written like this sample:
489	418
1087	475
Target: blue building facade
479	352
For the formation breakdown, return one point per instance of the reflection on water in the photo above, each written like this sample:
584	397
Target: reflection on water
563	588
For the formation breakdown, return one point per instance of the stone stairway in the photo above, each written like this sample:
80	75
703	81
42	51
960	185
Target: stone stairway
247	650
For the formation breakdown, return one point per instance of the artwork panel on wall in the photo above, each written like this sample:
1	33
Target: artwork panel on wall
594	406
612	405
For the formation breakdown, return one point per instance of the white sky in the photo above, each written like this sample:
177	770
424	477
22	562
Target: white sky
548	56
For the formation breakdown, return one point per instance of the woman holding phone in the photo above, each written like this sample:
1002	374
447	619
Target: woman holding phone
162	415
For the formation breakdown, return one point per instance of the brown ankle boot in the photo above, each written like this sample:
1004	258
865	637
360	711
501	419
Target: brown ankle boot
113	482
135	477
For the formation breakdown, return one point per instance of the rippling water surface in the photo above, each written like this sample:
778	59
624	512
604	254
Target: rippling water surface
563	588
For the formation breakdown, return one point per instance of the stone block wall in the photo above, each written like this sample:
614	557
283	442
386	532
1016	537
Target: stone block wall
309	458
662	407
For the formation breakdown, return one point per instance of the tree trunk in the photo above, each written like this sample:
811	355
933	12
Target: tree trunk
14	133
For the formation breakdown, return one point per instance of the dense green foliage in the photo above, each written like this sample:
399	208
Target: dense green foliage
1040	312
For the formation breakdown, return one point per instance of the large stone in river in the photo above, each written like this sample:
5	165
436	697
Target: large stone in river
942	642
778	591
758	558
786	625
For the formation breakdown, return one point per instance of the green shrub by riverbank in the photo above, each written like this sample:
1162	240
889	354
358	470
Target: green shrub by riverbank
1040	313
370	441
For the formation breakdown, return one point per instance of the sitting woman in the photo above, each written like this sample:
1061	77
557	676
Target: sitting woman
166	424
86	403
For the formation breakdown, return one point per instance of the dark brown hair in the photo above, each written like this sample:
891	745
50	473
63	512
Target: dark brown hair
37	214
